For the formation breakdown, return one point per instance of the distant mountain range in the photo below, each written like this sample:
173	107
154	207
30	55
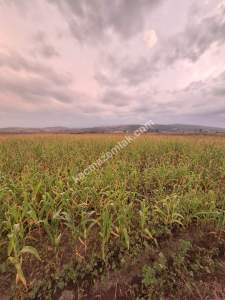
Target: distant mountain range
157	128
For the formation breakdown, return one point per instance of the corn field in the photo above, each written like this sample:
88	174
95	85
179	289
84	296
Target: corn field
158	187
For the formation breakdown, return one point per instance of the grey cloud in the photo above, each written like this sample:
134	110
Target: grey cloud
206	98
220	78
34	90
190	45
33	81
39	36
220	91
201	100
209	88
90	20
212	87
116	98
154	107
219	112
218	87
103	79
136	73
48	51
131	73
197	38
22	3
88	108
17	62
109	80
43	47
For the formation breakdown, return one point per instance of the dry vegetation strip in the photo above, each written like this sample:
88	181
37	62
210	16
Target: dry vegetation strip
148	224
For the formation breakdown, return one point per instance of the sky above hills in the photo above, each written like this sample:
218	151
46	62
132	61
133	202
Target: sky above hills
99	62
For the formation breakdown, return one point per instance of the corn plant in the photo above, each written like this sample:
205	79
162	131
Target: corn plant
16	251
144	213
106	227
167	211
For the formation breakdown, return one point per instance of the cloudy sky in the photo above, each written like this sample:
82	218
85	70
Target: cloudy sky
100	62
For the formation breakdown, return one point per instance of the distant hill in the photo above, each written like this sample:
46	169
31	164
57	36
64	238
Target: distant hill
157	128
183	128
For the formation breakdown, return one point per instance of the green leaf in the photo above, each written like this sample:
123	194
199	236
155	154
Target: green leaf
13	260
10	247
126	237
31	250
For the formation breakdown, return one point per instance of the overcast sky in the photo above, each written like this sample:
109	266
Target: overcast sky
100	62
